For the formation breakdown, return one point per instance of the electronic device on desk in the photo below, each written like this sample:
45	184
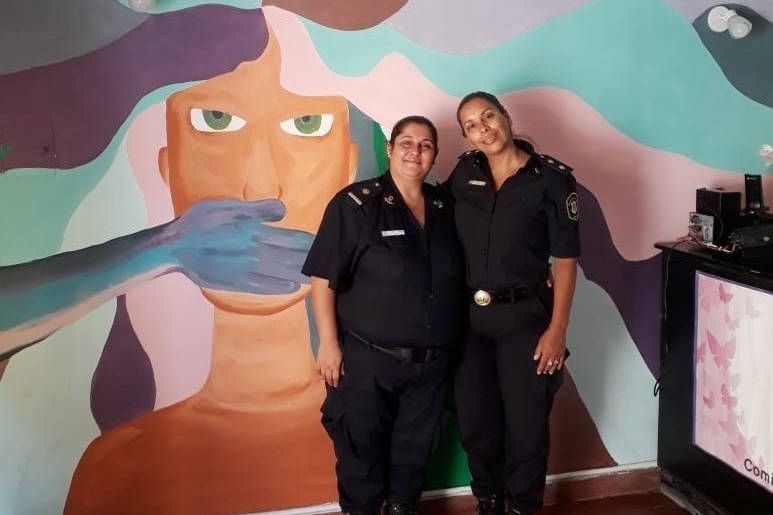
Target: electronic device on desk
752	236
718	223
753	185
756	226
717	212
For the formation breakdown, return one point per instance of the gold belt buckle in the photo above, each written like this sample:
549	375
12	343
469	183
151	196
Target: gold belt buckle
482	298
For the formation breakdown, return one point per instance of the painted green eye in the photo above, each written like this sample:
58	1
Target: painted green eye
217	120
310	125
209	120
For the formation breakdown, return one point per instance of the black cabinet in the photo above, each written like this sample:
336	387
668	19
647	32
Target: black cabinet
707	482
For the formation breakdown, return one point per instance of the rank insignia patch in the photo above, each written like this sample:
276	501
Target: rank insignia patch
572	207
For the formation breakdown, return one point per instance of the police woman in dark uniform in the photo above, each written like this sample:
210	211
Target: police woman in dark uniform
514	210
387	292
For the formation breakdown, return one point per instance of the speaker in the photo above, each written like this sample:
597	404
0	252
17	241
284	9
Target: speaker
753	185
724	206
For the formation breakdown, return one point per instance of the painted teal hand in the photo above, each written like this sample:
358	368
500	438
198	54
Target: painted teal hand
223	245
228	245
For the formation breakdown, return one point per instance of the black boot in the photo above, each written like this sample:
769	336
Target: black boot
400	509
491	504
513	510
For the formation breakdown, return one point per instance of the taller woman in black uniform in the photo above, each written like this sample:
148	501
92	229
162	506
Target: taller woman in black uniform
514	210
386	289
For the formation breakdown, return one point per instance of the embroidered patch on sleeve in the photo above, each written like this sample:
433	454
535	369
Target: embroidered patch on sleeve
572	207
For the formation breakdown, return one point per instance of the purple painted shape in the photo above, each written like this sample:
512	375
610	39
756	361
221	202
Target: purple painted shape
65	114
123	386
632	285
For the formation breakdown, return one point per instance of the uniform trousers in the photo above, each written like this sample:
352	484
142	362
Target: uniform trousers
502	404
384	420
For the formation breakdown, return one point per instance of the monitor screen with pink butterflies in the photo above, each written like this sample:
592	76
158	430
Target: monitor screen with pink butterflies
733	352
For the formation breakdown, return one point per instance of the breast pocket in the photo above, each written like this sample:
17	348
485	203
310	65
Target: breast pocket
385	259
526	203
393	239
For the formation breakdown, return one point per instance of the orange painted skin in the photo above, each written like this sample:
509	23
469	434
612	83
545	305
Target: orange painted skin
251	438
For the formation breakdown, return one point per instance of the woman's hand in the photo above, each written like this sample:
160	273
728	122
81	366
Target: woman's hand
550	351
330	362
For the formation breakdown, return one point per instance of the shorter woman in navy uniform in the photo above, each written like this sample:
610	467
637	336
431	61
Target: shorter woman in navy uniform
514	210
387	291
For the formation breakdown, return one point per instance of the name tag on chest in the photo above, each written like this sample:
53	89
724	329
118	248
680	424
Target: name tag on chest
395	232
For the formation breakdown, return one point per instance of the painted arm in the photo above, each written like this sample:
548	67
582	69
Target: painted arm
222	245
329	358
552	343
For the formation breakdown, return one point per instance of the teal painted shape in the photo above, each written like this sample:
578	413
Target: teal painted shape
639	63
36	204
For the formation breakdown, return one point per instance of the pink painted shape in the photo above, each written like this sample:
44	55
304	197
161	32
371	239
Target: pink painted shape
644	193
174	322
172	319
146	136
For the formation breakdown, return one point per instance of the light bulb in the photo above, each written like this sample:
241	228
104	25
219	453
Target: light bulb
141	6
738	27
721	19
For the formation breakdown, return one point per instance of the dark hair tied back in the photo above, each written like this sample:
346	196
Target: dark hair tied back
418	120
483	95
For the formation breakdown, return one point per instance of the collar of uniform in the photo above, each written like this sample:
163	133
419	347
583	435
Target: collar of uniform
524	145
480	163
391	196
531	164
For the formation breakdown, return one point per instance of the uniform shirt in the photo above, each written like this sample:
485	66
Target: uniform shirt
508	235
396	284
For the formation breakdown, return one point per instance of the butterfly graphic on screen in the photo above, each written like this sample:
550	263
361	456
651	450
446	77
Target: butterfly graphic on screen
722	353
739	448
724	295
700	352
727	399
709	400
732	323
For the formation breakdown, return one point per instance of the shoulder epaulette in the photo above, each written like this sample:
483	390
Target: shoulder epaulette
362	191
469	153
553	164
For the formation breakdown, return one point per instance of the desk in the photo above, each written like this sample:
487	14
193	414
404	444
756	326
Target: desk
705	480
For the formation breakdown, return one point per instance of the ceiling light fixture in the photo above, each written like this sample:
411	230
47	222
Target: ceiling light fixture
722	19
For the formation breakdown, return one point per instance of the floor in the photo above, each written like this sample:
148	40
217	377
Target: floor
653	503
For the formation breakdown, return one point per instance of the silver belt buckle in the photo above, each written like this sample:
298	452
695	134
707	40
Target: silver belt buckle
482	298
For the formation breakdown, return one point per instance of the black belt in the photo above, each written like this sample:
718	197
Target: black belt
405	355
505	295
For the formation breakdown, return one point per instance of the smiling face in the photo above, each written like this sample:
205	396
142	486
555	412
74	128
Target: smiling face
485	126
242	136
412	151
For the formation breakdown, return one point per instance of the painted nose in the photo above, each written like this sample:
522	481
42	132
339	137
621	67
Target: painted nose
262	178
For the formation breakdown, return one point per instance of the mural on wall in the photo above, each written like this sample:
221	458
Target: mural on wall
207	139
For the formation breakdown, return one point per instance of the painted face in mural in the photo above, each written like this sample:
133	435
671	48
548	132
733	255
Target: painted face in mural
486	127
413	152
242	136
